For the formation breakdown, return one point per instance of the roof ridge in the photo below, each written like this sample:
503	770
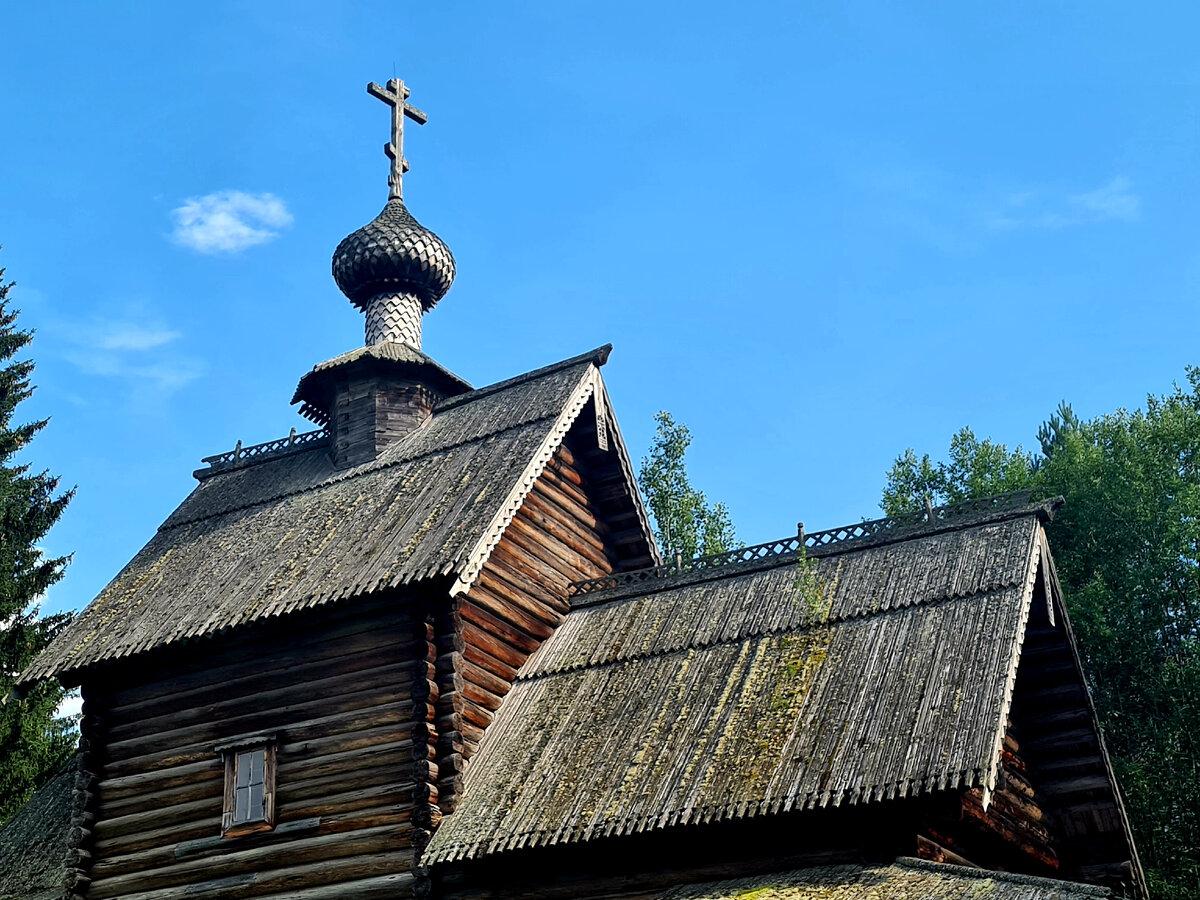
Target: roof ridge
912	862
599	356
795	628
350	474
829	542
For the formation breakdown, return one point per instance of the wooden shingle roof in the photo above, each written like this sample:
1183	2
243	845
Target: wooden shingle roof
738	693
905	879
33	843
291	532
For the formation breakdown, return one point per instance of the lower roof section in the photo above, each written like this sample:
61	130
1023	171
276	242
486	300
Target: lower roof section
905	879
759	693
33	843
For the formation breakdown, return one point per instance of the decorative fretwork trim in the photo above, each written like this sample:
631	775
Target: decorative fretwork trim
240	455
471	566
886	528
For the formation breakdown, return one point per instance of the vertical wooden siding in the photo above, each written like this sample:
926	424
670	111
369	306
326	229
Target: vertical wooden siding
336	688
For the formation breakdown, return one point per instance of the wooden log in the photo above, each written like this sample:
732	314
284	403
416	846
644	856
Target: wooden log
564	471
521	642
372	666
523	537
544	585
183	672
484	678
569	509
486	651
305	732
931	850
506	602
214	845
480	696
528	533
548	517
519	566
341	694
474	714
236	876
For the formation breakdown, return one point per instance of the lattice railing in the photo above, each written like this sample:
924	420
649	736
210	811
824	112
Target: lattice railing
810	540
292	442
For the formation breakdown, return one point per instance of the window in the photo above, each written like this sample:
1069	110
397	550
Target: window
249	785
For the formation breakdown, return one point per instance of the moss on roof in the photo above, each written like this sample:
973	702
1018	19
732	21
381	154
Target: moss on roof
905	879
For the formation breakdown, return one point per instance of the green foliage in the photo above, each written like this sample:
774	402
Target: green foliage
1127	549
685	523
810	589
32	741
974	469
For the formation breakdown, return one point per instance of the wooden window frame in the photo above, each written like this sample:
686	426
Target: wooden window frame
268	743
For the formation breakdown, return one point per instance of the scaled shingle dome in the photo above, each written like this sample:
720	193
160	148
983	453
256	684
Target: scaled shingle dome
393	254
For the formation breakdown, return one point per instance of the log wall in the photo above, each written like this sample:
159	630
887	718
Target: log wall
336	686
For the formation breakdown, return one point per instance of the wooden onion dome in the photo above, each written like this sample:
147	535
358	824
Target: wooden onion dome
394	269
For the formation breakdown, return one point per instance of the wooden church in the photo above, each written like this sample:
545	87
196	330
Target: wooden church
430	650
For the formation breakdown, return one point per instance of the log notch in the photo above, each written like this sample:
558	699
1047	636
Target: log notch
88	759
425	812
336	687
578	521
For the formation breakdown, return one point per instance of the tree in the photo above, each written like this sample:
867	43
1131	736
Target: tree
685	524
32	741
1127	549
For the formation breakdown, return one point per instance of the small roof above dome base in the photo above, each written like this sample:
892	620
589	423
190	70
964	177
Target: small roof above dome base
316	389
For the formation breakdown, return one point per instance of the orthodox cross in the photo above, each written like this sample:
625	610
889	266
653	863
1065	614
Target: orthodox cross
395	95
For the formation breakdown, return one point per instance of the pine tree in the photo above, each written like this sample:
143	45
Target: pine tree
32	741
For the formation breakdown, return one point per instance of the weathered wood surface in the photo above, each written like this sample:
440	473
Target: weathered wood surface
292	532
336	689
734	696
1054	809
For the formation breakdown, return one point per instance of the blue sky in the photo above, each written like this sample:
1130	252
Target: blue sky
817	233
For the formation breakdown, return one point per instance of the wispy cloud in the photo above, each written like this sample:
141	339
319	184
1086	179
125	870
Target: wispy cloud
129	336
135	348
1113	201
229	221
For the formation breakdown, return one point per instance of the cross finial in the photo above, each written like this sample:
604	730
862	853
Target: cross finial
395	95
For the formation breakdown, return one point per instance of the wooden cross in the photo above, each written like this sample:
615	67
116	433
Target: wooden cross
395	95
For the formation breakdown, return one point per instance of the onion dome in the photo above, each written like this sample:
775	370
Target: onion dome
393	254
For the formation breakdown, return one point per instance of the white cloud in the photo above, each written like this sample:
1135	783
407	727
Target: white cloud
1113	201
134	347
129	336
229	221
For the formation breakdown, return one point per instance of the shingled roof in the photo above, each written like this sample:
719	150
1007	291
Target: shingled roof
742	691
33	843
290	531
905	878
